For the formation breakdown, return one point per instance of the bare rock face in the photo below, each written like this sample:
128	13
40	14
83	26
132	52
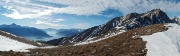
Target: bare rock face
127	22
176	20
155	16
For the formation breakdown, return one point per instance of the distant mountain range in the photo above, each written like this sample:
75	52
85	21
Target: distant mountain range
64	32
69	32
38	34
58	33
24	31
50	29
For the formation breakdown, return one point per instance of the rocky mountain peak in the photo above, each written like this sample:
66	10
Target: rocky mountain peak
13	24
131	15
134	20
157	10
176	20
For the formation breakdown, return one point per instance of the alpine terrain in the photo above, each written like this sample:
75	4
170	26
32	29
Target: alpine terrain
115	26
15	43
147	34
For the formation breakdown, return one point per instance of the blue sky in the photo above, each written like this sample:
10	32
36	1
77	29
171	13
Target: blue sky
77	13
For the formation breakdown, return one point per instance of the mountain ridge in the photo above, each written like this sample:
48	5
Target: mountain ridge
24	31
127	22
176	20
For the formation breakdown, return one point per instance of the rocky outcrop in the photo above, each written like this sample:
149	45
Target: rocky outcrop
176	20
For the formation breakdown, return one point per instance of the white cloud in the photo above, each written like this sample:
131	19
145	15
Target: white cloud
16	15
28	9
6	1
58	20
47	23
26	13
124	6
23	9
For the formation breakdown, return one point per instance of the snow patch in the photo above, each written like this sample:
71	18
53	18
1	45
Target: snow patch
39	43
7	44
164	43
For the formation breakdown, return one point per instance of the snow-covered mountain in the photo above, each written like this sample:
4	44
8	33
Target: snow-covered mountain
12	42
118	24
24	31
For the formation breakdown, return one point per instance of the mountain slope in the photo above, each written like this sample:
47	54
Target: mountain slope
12	42
164	43
128	22
27	32
8	44
20	39
120	45
124	44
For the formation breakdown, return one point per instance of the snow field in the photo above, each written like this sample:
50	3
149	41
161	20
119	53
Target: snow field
7	44
164	43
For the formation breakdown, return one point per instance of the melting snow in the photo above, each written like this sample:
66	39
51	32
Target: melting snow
164	43
7	44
